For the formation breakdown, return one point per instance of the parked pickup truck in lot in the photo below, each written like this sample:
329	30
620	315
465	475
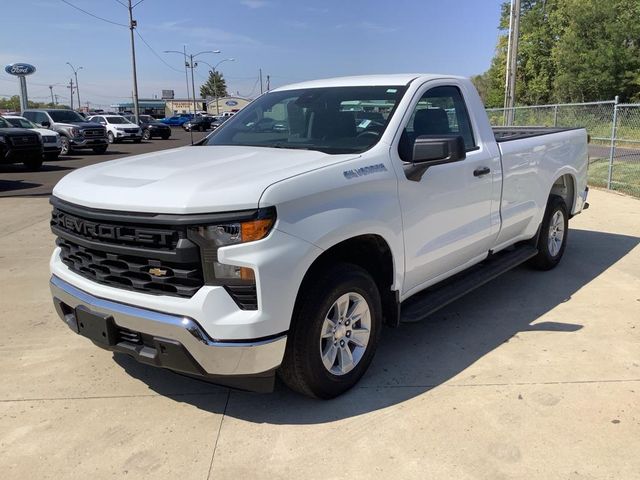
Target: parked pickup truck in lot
50	139
18	145
75	132
260	251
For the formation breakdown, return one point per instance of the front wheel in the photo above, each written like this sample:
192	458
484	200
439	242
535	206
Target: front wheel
146	135
65	147
111	138
553	235
334	332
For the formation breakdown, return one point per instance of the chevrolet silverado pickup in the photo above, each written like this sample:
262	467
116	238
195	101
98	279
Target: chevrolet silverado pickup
286	239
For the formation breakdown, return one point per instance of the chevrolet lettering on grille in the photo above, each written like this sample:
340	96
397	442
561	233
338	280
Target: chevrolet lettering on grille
108	232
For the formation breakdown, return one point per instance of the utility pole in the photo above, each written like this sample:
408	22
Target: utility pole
51	90
56	102
132	25
186	64
193	85
75	73
512	60
260	81
70	86
268	83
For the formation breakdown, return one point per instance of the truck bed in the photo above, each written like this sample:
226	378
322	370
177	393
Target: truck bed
506	134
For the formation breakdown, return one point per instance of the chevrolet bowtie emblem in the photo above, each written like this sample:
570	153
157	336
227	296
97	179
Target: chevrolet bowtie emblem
157	272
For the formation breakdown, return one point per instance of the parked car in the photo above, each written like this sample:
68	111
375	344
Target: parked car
50	139
151	127
260	252
177	120
200	124
119	128
218	121
75	132
19	145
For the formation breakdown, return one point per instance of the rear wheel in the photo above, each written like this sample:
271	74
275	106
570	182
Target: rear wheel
166	137
553	235
334	332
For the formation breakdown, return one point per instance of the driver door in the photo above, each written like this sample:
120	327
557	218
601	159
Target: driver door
446	213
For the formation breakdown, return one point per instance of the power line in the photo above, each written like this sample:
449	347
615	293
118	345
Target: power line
252	90
156	54
92	15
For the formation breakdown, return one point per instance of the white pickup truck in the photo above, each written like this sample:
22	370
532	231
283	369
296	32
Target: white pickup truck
286	239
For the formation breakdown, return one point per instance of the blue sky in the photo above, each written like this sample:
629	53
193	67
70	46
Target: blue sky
290	40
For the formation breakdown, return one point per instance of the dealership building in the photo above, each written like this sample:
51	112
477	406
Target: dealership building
169	107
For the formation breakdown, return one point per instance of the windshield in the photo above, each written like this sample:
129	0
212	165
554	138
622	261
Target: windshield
323	119
63	116
4	123
21	123
117	120
145	118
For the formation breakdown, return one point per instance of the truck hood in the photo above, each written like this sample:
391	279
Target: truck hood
200	179
78	124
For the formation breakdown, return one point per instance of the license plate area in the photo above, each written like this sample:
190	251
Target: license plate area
96	326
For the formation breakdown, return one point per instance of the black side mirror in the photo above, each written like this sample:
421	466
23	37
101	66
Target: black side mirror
46	124
430	150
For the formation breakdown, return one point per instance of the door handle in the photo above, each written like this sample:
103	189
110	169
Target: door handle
479	172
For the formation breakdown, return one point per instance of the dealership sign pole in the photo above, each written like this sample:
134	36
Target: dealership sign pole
21	70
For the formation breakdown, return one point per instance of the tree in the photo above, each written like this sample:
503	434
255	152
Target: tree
570	51
214	86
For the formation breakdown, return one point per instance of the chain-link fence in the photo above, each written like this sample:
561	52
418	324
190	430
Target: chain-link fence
614	151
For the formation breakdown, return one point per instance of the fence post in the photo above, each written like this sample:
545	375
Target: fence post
555	115
612	151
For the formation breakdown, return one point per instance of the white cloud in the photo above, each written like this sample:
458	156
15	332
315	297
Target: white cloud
254	3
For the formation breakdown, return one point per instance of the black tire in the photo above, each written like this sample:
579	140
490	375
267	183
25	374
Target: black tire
111	138
546	259
51	157
146	135
65	146
100	150
166	137
33	164
302	368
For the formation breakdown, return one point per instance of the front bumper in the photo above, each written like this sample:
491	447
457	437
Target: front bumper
175	342
81	142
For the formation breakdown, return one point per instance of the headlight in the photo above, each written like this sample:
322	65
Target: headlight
212	237
75	132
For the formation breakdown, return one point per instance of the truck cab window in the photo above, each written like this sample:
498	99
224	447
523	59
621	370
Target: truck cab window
440	111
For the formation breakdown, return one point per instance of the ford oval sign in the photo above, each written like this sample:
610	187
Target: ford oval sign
231	103
20	69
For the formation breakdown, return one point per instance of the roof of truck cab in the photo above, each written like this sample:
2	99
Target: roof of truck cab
366	80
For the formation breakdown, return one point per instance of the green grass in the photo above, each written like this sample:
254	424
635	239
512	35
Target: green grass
625	177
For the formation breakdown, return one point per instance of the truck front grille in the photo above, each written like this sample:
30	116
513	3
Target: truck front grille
147	258
24	140
131	272
94	133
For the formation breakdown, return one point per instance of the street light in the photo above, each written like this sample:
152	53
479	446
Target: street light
75	72
191	64
215	87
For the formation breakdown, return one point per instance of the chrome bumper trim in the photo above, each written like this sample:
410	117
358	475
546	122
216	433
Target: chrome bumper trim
214	356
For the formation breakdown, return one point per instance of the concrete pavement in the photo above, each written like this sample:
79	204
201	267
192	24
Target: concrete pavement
535	375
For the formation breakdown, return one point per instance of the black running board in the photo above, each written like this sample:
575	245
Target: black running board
423	304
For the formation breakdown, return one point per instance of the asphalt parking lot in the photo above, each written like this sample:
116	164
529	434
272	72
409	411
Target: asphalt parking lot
14	180
535	375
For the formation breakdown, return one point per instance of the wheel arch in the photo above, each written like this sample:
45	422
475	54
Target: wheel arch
565	186
370	252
